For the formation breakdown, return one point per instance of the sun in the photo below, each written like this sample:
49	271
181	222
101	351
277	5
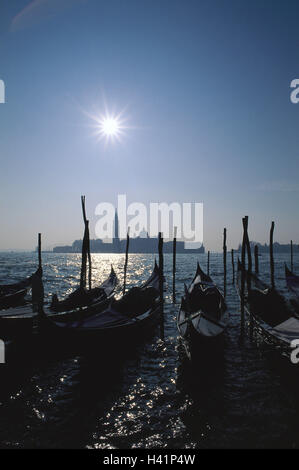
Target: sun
109	126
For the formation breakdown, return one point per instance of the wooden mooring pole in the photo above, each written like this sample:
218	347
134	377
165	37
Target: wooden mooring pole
87	242
233	265
242	293
174	265
249	257
271	256
256	259
89	257
292	261
126	260
85	249
37	282
84	260
161	283
40	250
208	264
224	260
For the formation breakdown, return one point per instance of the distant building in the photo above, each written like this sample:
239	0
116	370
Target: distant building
142	244
137	245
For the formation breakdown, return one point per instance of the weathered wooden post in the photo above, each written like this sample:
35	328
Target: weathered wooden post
233	265
256	259
174	265
40	250
271	256
83	260
37	283
292	264
126	260
208	264
85	249
249	257
161	282
249	271
243	275
89	256
224	259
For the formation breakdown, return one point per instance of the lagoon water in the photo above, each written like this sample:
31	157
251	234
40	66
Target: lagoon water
151	396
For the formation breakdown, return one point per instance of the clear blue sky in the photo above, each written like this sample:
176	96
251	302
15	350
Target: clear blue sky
206	89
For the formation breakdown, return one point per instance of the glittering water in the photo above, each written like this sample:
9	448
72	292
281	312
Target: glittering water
150	396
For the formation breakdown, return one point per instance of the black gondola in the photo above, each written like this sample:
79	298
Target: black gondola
13	300
6	289
13	295
125	318
203	315
20	320
270	311
83	297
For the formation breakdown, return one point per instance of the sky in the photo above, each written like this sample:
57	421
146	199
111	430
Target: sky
203	87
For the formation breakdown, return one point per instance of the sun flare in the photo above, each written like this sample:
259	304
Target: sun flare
110	126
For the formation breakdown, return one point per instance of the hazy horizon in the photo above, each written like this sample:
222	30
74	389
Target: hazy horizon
50	248
203	93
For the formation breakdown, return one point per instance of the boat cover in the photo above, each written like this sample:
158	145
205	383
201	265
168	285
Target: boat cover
288	330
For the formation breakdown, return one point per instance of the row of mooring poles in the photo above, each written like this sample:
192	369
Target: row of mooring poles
245	278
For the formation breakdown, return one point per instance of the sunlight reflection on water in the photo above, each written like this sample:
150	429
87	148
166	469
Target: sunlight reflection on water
152	397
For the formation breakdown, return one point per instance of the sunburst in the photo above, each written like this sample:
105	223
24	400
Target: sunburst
108	126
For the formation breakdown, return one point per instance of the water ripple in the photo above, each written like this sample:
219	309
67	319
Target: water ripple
153	397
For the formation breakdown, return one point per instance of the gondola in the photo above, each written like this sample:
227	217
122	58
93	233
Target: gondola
270	311
203	315
13	295
83	297
292	281
19	321
6	289
14	299
121	320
